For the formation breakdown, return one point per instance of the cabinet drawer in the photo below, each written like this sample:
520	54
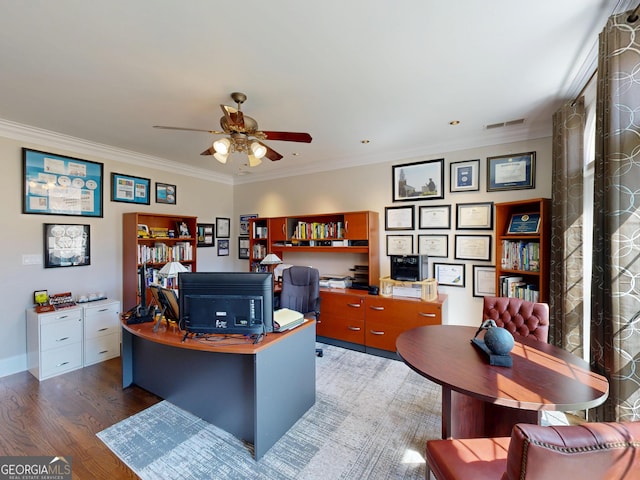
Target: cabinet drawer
61	333
101	320
59	360
341	305
101	348
347	330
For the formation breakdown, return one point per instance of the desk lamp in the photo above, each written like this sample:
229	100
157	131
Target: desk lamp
171	270
270	261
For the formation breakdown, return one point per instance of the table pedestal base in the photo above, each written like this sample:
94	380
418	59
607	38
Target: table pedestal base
467	417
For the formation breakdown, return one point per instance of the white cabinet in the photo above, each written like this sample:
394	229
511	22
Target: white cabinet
101	331
54	342
65	340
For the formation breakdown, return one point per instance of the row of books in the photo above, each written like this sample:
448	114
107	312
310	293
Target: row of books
161	253
514	286
259	251
260	232
258	267
520	255
153	277
317	230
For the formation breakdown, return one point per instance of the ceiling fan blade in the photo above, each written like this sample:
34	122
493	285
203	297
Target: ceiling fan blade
217	132
288	136
271	153
235	116
208	151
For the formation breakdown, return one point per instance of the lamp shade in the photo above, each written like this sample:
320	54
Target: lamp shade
258	149
253	161
221	157
271	259
171	269
222	146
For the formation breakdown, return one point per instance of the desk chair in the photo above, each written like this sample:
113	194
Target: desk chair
301	292
520	317
167	302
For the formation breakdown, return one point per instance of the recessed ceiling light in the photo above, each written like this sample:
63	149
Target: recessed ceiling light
295	154
364	141
454	122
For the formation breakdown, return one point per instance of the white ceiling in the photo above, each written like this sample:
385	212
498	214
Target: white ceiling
392	72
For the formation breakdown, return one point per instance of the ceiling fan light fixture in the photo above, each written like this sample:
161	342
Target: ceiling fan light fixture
253	160
221	157
222	146
258	149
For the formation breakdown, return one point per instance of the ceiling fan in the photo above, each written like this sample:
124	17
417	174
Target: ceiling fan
243	135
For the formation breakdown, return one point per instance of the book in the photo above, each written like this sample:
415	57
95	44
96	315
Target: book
285	319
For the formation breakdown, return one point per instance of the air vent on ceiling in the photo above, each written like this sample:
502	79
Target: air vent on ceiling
510	123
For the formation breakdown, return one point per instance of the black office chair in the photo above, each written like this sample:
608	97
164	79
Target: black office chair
301	292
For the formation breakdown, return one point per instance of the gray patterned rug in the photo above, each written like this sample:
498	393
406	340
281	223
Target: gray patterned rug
371	419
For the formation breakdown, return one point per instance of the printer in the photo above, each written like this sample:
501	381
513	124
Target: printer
409	268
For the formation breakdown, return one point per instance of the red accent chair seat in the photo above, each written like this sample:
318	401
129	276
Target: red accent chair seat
520	317
591	451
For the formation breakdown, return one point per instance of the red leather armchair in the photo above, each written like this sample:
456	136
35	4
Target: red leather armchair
591	451
520	317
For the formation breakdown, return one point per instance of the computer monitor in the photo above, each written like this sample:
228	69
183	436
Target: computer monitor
226	302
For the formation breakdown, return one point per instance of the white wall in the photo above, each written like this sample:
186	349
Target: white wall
23	235
369	188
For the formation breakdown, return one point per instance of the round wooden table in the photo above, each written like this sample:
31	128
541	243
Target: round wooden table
481	400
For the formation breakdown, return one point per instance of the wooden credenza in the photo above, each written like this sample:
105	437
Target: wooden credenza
372	323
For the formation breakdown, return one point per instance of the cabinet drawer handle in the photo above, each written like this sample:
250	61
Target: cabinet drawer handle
374	332
354	305
62	339
103	310
422	314
61	317
103	329
61	364
103	352
379	309
354	329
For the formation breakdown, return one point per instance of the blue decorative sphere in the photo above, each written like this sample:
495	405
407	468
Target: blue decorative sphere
498	340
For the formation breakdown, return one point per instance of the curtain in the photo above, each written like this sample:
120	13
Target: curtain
615	326
566	284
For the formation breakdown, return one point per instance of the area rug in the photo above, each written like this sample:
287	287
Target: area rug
371	420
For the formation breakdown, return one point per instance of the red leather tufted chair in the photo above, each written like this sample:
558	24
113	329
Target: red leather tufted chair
520	317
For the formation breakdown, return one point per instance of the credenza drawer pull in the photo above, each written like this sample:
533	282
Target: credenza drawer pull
431	315
374	332
354	305
103	310
103	329
354	329
61	364
103	352
62	339
61	317
379	309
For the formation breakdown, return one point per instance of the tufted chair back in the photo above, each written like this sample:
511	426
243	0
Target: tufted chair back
520	317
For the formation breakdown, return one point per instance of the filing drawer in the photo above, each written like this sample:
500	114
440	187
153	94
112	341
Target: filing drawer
101	348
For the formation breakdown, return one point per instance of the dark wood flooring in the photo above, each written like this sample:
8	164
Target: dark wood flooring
61	416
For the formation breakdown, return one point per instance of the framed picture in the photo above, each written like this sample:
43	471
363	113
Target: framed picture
449	274
484	281
223	247
244	223
166	193
464	176
66	245
436	217
206	235
399	244
474	216
511	172
473	247
398	218
59	185
418	181
524	224
130	189
433	245
223	227
243	248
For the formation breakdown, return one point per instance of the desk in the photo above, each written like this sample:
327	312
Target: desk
480	400
253	391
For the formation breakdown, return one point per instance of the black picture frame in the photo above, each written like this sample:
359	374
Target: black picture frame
223	247
243	248
484	281
449	274
464	176
418	181
223	227
434	217
206	235
61	185
166	193
66	245
130	189
473	247
399	245
244	223
474	216
434	245
511	172
399	218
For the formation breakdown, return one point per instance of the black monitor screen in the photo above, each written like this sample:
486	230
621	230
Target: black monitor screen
226	302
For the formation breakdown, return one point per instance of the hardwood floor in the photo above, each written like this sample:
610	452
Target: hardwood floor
61	416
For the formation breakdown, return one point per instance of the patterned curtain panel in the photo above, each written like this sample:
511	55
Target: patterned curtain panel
615	331
567	296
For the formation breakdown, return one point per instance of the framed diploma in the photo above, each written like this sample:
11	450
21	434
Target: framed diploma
524	223
511	172
436	217
398	218
484	281
449	274
399	244
433	245
474	216
464	176
473	247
